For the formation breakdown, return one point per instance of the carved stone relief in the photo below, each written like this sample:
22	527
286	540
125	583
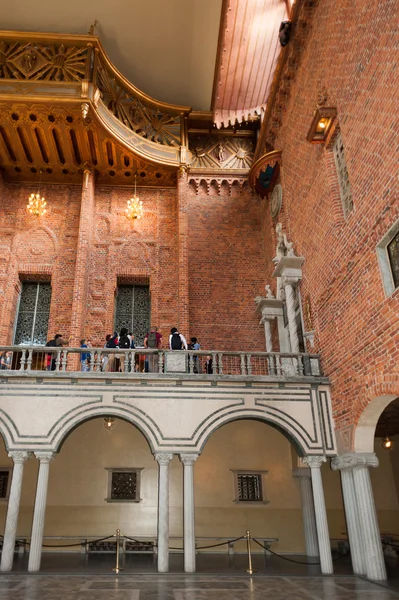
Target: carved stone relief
211	152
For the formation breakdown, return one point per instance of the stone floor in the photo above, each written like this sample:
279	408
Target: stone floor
184	587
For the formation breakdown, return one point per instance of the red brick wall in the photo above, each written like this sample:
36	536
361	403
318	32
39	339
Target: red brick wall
225	257
226	267
351	52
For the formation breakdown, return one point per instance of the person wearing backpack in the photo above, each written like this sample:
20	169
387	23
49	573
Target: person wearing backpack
124	342
111	343
177	341
153	341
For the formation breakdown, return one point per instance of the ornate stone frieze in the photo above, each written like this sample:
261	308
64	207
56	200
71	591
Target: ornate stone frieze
217	184
353	460
216	152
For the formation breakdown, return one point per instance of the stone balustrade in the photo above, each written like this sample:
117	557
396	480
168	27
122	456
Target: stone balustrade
138	362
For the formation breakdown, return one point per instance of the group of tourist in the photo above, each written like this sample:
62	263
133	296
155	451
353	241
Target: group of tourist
111	362
114	361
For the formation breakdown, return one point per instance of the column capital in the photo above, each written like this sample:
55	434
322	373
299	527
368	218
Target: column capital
45	457
352	460
290	280
20	456
314	462
163	459
188	459
301	473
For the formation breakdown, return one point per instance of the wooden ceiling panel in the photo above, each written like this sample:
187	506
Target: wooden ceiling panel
59	141
248	52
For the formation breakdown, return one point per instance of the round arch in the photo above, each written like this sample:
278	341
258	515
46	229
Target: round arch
70	422
284	423
367	423
100	417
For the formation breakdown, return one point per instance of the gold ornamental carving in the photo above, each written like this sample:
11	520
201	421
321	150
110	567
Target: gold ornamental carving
145	120
44	62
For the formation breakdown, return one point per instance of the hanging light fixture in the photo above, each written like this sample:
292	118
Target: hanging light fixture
109	423
387	443
37	204
134	209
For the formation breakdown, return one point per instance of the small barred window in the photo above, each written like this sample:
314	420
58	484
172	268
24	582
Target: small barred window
123	485
249	486
343	176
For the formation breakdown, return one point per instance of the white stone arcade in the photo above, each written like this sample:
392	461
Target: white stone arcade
176	416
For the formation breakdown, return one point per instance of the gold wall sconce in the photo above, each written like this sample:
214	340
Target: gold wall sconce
321	125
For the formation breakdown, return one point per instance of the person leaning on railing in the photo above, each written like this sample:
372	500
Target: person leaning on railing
5	360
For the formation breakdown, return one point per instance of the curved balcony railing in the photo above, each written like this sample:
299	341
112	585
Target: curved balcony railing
141	362
74	67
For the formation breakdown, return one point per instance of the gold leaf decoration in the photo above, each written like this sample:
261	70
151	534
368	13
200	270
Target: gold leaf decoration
145	120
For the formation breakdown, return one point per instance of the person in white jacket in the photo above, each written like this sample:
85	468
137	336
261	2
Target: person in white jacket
177	341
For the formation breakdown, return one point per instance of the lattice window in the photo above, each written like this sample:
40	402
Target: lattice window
5	482
249	486
133	309
33	313
123	485
343	176
393	255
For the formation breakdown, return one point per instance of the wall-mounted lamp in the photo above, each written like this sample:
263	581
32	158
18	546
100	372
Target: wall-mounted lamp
109	423
387	443
321	125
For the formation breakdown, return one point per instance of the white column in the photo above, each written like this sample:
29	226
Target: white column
323	536
289	290
345	464
375	563
7	554
35	551
188	461
163	461
268	333
309	517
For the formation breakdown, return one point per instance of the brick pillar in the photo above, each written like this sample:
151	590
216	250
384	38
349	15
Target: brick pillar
82	268
182	207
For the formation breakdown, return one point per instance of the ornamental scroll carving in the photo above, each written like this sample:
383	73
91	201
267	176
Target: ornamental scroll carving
145	120
42	62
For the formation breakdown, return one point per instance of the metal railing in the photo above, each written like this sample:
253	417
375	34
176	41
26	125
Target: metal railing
33	359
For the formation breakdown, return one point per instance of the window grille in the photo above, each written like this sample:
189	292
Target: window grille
123	485
393	255
249	487
33	314
133	310
4	483
342	174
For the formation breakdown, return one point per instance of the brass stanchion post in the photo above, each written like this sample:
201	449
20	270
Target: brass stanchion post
250	570
118	539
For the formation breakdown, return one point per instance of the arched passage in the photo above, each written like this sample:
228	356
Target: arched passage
262	457
367	423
